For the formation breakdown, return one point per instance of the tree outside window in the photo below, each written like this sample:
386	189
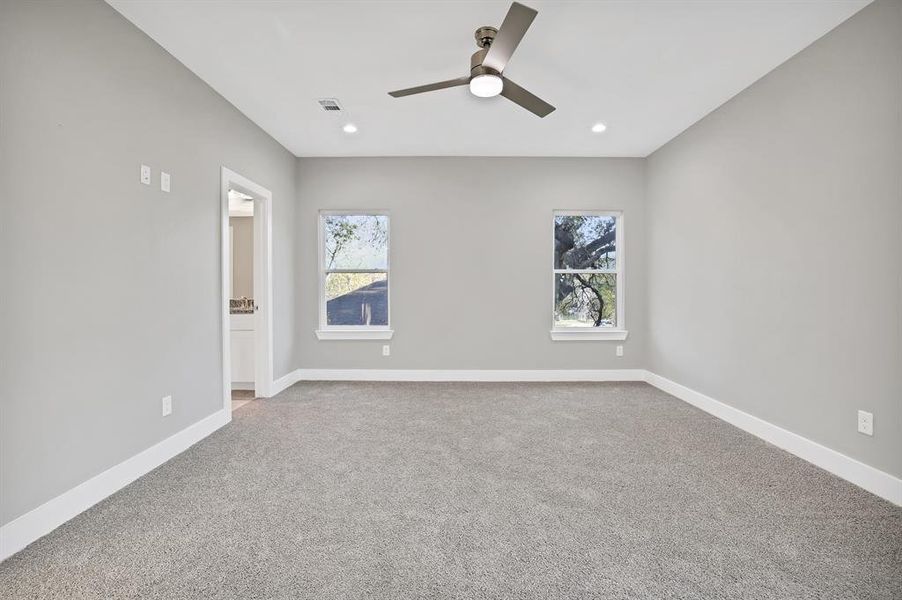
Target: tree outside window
586	270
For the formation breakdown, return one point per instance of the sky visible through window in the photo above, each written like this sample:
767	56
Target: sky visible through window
356	242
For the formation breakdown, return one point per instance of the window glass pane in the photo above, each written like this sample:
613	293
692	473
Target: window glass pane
355	241
356	299
585	300
585	242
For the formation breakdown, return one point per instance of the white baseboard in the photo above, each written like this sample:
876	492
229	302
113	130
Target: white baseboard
244	385
463	375
285	382
37	523
873	480
42	520
869	478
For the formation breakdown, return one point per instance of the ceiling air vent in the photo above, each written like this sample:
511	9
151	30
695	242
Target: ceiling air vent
329	104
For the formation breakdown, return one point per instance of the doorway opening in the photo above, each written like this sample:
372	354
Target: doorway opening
246	290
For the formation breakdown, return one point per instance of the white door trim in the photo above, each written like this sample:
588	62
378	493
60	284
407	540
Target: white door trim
263	322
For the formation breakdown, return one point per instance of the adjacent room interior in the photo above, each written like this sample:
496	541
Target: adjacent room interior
241	297
434	299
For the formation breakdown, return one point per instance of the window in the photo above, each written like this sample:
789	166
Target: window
588	276
354	298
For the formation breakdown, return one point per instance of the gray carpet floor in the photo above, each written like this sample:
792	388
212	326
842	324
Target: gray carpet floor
466	490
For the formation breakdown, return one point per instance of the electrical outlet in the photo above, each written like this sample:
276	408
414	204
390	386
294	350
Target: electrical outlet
145	174
167	406
619	350
164	181
865	422
386	350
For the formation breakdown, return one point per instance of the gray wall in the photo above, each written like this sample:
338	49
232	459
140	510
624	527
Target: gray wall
242	256
775	244
471	244
113	287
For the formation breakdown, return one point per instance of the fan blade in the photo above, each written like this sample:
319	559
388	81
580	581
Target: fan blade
512	30
430	87
526	99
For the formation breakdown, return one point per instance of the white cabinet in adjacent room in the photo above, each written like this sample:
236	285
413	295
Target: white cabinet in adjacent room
242	351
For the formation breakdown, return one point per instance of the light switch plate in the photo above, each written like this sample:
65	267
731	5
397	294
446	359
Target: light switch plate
145	174
164	181
619	350
386	350
167	406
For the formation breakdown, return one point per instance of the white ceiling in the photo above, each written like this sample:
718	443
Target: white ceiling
648	69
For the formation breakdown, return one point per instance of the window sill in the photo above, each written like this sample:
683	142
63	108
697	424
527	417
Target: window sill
354	334
582	335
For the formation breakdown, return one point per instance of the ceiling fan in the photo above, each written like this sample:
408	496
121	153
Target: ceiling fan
486	77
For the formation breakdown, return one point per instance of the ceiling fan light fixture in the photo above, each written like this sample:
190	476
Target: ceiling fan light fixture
496	45
486	85
599	127
349	128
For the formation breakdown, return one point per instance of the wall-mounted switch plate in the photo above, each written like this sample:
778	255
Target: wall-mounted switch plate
386	350
145	174
619	350
167	406
865	422
164	181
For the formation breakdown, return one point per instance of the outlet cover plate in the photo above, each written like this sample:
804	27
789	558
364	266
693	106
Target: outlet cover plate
865	422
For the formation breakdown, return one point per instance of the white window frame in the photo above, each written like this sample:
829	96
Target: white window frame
562	334
352	332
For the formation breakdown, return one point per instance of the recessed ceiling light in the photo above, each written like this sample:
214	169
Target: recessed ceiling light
599	128
486	85
350	128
